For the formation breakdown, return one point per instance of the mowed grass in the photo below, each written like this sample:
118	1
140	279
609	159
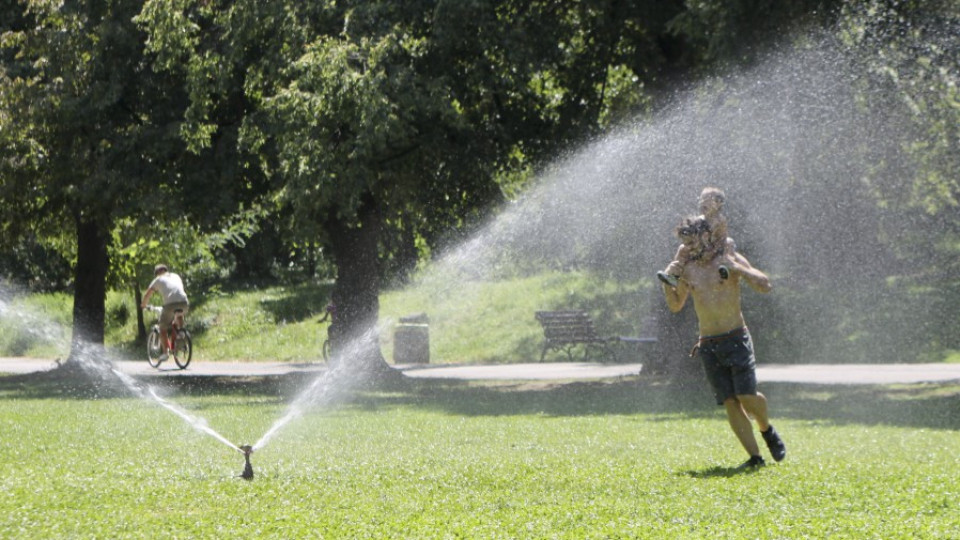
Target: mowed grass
632	458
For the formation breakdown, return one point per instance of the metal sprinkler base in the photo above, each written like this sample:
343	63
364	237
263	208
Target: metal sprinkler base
247	473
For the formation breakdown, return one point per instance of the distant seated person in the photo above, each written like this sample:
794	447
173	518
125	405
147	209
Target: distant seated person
710	204
174	296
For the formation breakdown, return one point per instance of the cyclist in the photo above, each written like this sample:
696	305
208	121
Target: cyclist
170	287
331	315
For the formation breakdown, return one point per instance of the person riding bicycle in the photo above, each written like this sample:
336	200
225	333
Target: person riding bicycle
331	315
171	289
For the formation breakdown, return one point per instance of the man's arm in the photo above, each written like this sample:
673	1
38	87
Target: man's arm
756	279
676	296
146	298
151	288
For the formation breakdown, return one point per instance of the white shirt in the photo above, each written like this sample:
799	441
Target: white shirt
170	287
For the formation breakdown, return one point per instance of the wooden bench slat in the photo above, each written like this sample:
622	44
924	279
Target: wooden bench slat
565	329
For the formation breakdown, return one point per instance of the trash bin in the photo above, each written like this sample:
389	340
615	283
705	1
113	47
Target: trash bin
411	340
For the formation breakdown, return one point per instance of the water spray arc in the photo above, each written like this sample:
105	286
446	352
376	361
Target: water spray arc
94	360
326	388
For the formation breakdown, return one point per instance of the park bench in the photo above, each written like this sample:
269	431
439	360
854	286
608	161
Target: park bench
566	329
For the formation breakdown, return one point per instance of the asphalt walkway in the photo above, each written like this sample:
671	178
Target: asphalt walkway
798	373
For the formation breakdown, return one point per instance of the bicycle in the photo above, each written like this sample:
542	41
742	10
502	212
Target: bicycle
325	350
179	342
330	310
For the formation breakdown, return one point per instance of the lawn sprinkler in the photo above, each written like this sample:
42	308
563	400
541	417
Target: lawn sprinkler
247	473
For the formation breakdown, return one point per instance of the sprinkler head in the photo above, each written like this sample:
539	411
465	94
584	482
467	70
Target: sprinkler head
247	473
724	273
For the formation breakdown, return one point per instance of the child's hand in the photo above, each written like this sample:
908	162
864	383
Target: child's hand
675	268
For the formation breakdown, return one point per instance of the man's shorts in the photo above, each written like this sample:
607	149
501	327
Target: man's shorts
169	310
729	364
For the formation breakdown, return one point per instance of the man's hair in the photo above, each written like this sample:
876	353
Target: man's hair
713	193
159	268
692	226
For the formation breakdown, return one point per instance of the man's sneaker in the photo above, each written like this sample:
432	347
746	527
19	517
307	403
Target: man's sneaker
163	357
755	462
668	279
777	449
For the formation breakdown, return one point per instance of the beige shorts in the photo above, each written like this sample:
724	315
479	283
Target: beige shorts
169	311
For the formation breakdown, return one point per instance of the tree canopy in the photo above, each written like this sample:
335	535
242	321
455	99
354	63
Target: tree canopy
376	132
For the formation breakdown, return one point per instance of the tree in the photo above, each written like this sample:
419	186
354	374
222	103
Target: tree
376	115
92	136
78	154
912	72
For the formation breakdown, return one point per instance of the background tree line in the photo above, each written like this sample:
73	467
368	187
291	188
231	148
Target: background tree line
352	140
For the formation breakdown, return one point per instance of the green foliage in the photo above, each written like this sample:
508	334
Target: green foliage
733	33
136	247
583	460
912	62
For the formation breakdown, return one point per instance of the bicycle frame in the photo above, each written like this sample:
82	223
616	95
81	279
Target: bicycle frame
181	354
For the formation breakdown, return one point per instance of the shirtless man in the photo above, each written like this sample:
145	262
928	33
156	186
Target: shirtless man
725	348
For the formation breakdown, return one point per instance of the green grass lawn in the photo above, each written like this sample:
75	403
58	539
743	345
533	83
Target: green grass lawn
634	458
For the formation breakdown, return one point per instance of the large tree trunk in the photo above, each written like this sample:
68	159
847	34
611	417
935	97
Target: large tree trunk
354	334
90	285
141	326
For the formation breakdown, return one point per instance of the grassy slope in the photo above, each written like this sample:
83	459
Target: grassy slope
476	322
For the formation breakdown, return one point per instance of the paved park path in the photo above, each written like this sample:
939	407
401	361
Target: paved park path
797	373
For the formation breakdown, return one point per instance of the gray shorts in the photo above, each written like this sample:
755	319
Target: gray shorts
729	364
169	310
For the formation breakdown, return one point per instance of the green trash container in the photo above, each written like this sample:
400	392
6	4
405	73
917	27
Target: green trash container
411	340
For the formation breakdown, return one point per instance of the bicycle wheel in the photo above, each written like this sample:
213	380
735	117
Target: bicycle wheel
326	350
183	350
153	347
